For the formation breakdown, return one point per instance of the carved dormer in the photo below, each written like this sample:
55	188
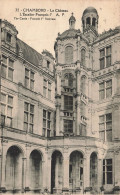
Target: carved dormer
8	35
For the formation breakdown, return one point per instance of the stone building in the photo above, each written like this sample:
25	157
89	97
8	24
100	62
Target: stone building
60	118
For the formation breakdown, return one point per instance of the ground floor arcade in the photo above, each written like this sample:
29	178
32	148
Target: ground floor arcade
35	169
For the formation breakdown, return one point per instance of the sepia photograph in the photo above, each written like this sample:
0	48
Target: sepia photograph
60	97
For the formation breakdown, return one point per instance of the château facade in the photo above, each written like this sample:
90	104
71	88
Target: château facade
60	117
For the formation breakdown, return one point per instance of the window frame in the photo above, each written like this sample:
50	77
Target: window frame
7	116
83	57
8	39
105	89
68	125
105	57
107	170
47	88
9	68
105	130
68	80
29	79
46	132
28	113
67	102
69	55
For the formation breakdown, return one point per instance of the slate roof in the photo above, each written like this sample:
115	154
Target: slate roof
29	54
90	9
70	33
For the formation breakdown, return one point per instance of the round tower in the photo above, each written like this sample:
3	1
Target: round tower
90	19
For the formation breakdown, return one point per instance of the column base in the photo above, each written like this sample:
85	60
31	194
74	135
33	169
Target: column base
65	191
116	190
78	190
3	189
27	189
57	190
88	190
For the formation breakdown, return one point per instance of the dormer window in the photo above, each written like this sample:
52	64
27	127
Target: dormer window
48	64
9	37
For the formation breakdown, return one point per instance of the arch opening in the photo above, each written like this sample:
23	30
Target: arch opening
56	172
13	171
76	170
93	22
88	21
35	170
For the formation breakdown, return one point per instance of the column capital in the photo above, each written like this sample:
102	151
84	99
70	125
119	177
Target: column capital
24	158
77	71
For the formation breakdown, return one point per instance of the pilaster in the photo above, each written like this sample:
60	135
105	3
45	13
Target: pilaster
65	172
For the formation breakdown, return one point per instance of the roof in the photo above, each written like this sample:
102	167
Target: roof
70	33
47	53
90	9
72	18
29	54
107	34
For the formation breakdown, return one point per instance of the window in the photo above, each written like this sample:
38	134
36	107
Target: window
28	117
83	53
6	109
105	57
88	21
83	129
93	22
9	38
105	127
83	85
48	64
7	68
47	89
29	79
68	80
68	102
68	126
105	89
46	123
107	171
69	55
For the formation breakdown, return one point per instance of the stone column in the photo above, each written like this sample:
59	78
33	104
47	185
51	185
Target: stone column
100	172
44	172
65	172
27	170
57	119
58	98
23	174
49	159
3	163
86	172
78	101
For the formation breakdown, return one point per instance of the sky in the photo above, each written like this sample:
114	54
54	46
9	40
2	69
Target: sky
41	33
